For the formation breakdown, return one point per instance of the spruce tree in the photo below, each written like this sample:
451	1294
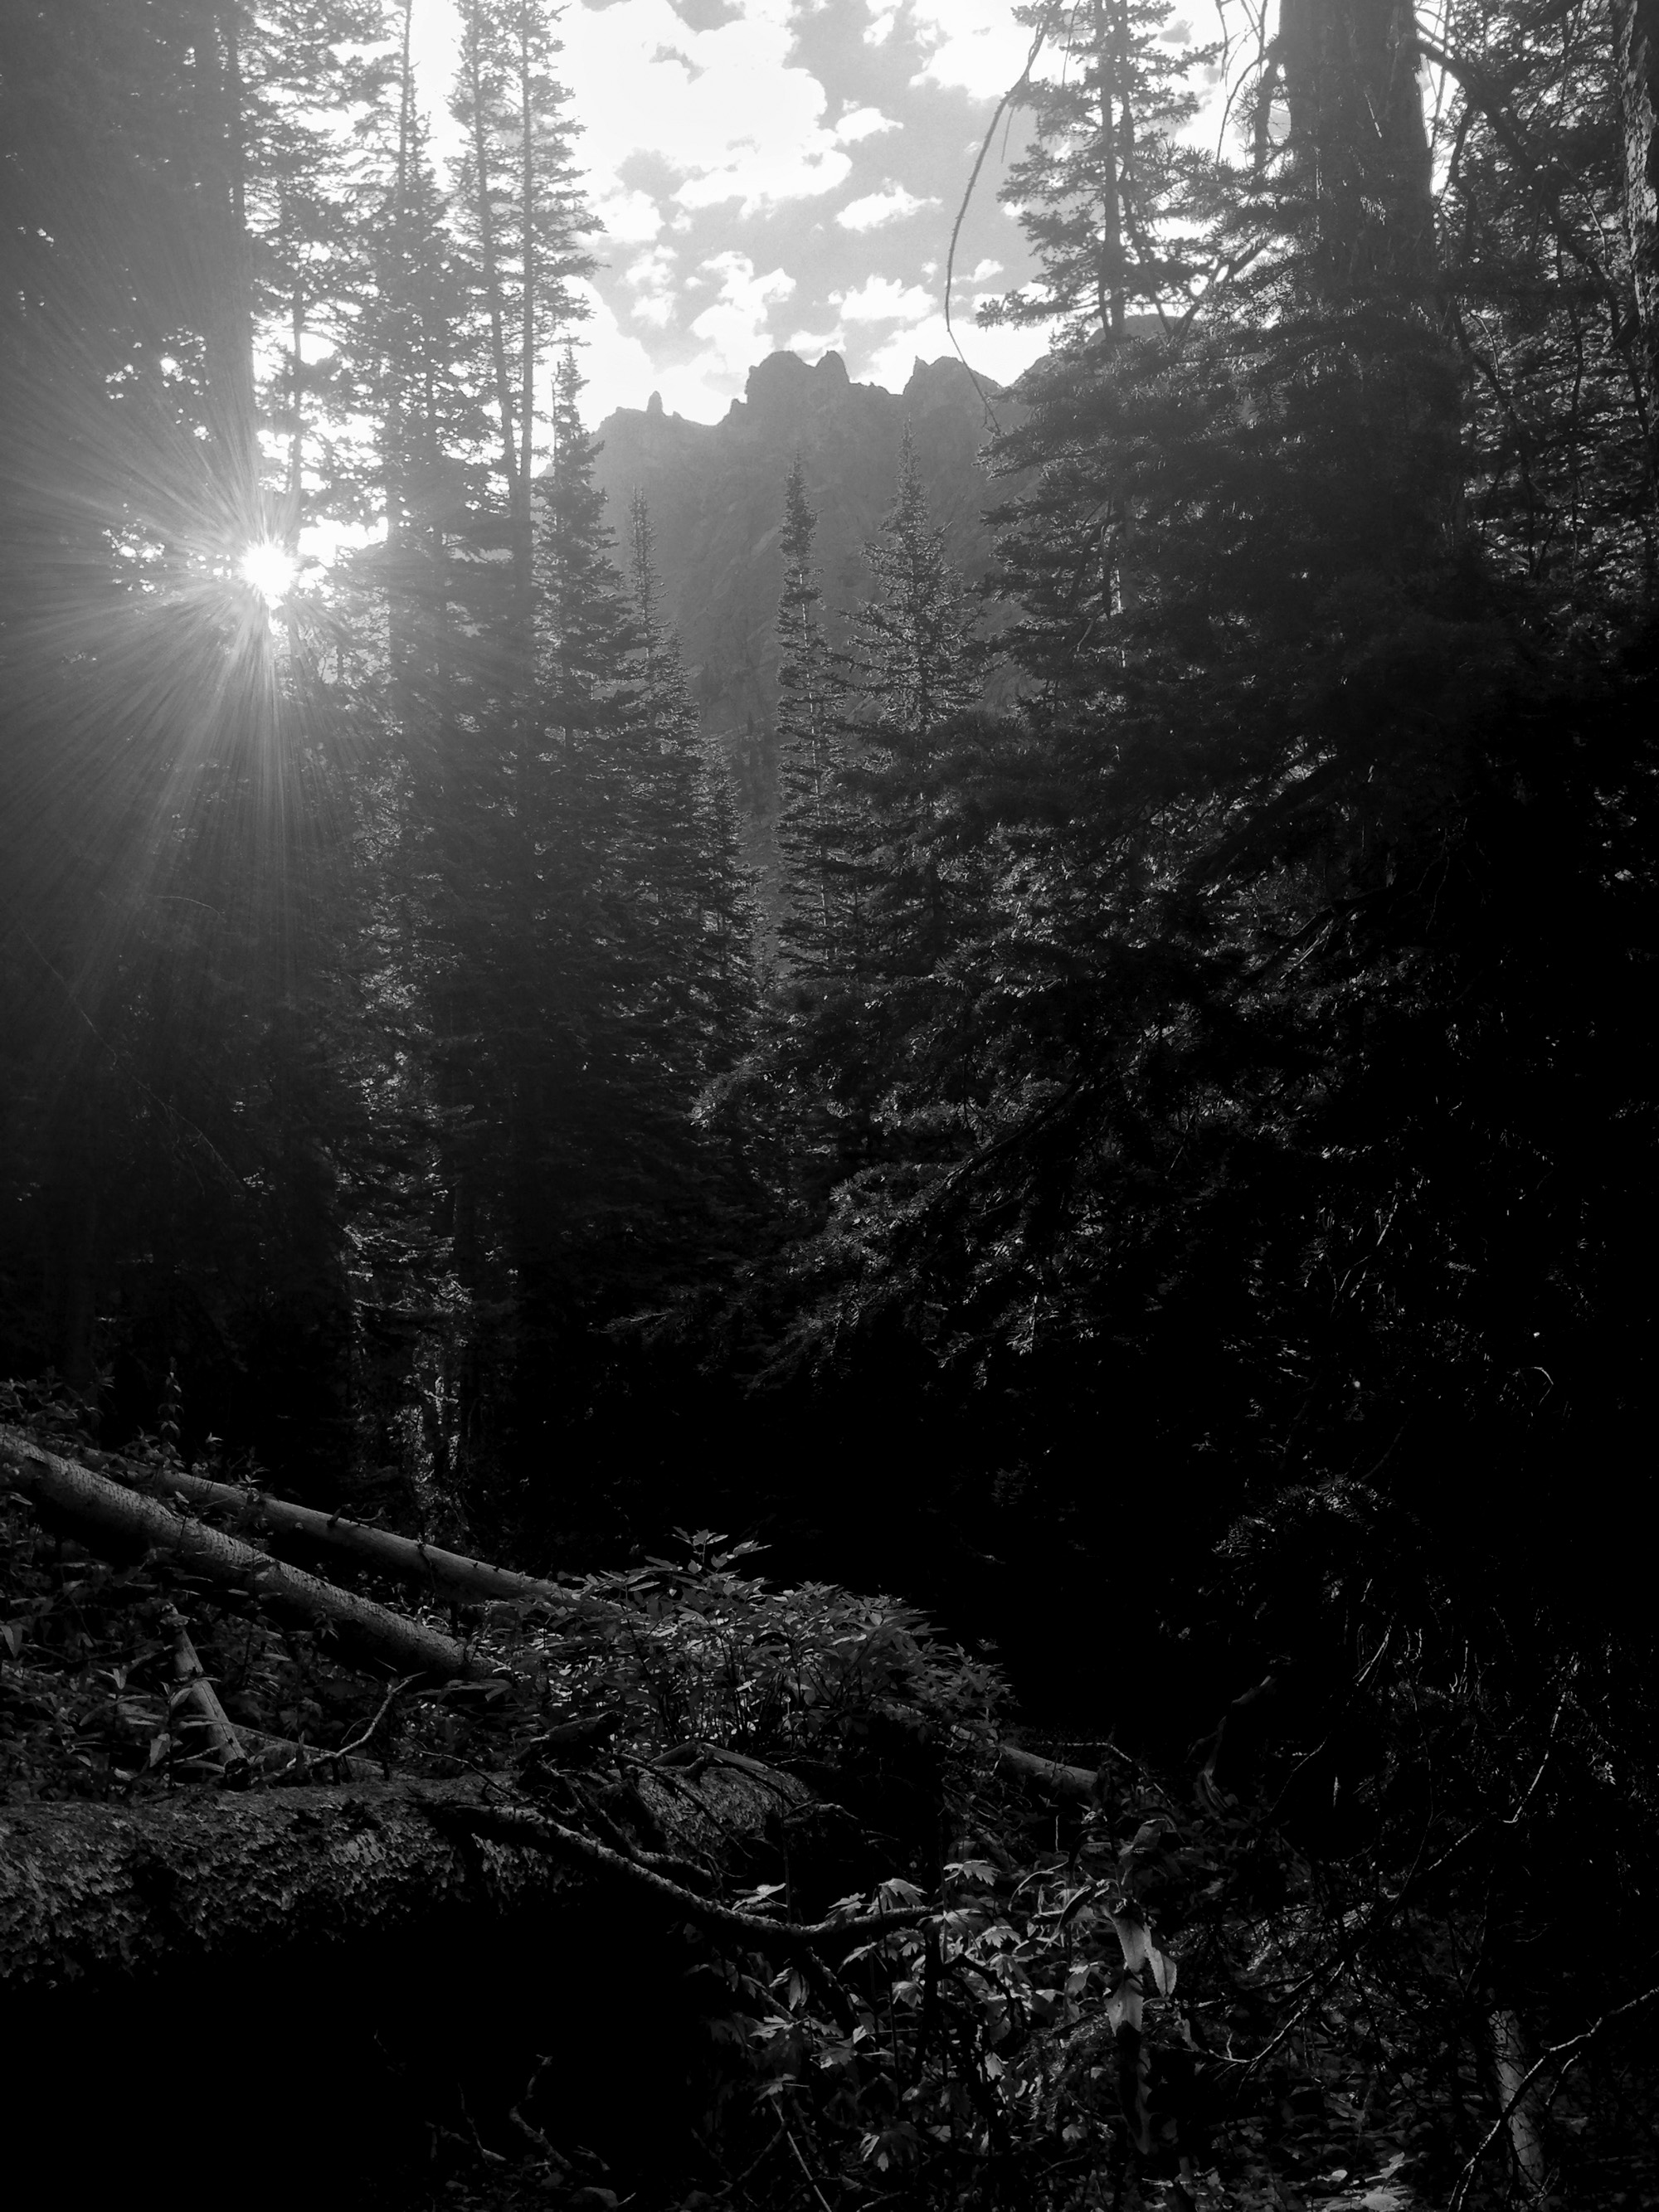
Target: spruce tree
521	214
690	880
820	924
915	676
1106	192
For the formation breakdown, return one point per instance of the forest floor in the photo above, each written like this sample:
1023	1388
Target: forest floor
754	2096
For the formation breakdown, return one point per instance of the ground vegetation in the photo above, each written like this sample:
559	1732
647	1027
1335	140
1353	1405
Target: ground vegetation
1172	1198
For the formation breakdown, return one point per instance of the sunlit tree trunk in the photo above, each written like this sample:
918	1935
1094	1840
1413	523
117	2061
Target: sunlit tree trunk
1358	136
473	73
1508	2058
1636	39
232	413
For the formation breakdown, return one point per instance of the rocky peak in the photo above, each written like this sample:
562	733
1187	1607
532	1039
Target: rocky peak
716	497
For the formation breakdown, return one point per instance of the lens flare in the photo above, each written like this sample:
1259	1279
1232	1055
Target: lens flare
268	570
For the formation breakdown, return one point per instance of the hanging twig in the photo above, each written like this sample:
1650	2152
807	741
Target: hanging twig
1003	106
810	2181
1571	2050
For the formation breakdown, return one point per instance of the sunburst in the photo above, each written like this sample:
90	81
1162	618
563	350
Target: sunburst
268	570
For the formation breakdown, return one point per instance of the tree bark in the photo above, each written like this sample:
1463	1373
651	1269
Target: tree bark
1509	2060
1636	39
111	1519
233	414
93	1893
224	1746
1079	1783
419	1566
1358	138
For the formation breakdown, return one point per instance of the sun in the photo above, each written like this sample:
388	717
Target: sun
267	568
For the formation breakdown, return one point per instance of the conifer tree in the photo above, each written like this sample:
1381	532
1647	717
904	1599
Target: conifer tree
820	887
413	345
1106	192
304	69
684	825
915	676
520	212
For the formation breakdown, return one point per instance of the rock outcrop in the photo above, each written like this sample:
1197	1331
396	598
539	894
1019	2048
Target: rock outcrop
716	498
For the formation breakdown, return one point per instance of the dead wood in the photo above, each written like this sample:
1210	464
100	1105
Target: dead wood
1047	1774
194	1690
89	1893
515	1822
279	1759
117	1523
425	1567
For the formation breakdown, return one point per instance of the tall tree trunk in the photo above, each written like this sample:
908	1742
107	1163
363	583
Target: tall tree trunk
490	256
1358	138
1509	2059
522	548
233	414
1109	300
295	494
1636	49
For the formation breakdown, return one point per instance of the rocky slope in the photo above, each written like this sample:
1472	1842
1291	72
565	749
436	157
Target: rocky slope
716	498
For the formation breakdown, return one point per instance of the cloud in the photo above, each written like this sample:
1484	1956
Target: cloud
616	366
1000	354
883	299
723	110
734	329
984	269
862	122
731	332
761	180
813	345
880	27
651	277
890	204
971	46
629	218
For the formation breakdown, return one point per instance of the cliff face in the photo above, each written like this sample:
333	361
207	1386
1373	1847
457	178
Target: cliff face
716	498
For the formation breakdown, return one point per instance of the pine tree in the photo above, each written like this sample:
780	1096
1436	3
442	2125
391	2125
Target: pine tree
1106	192
820	925
1230	1169
520	212
683	826
915	677
306	69
1543	291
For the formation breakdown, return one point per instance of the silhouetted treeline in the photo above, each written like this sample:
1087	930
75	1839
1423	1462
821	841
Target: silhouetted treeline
1202	1104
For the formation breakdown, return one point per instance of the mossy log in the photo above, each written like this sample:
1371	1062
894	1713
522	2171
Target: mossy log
114	1520
92	1895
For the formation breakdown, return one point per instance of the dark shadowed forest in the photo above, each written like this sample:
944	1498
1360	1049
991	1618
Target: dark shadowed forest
864	1425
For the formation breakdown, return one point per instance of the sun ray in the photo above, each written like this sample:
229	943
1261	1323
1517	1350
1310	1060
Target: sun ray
269	569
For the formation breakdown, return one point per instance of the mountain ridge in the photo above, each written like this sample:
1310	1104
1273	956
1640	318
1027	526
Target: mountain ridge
715	495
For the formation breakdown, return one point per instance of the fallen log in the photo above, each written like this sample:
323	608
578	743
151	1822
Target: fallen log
1049	1775
90	1892
418	1565
106	1517
307	1994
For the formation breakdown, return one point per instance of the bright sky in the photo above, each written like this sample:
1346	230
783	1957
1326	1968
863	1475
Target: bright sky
779	173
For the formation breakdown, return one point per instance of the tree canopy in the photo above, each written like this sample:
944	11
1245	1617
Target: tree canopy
1160	1173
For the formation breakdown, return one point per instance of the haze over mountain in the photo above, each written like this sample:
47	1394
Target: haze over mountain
715	493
